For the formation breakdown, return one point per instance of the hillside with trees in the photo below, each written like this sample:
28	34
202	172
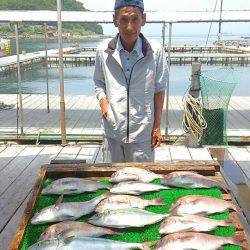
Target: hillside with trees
67	5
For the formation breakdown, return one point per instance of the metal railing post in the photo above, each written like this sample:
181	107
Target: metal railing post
168	83
20	112
46	64
61	74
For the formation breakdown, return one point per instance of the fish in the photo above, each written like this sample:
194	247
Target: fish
85	243
74	228
201	204
127	201
66	211
71	186
125	218
134	174
136	188
196	241
191	223
190	180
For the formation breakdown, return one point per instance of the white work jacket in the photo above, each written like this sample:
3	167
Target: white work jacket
131	101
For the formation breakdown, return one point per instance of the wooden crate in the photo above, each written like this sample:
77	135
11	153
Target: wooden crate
210	169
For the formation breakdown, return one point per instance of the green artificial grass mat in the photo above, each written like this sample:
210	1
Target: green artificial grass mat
145	234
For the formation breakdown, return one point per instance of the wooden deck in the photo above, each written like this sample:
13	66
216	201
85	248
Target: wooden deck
83	116
20	165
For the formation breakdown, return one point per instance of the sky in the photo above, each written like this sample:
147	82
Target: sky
180	5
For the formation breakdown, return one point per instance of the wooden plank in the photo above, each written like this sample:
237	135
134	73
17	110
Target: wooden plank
162	154
68	153
99	156
80	108
38	114
11	172
29	211
51	122
106	169
242	157
9	154
240	107
200	154
69	103
9	231
88	153
25	180
91	118
180	153
176	116
2	148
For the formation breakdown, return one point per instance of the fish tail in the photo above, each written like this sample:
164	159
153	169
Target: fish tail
114	232
158	201
224	187
226	223
148	245
237	240
236	208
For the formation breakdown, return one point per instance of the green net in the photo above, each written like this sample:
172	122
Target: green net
217	87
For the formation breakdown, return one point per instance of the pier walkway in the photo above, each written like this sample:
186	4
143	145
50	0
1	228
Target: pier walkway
84	118
9	63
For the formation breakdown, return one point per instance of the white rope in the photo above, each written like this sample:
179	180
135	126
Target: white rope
193	120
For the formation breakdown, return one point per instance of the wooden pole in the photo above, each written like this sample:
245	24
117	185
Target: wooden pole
46	62
168	83
20	113
195	87
61	74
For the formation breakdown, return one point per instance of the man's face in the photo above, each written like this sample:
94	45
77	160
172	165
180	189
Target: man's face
129	21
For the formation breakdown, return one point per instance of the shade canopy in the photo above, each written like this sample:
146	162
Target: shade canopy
106	16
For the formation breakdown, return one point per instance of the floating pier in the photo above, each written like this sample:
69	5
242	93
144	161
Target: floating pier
180	55
8	64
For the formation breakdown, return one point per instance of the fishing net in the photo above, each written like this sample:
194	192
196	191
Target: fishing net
217	87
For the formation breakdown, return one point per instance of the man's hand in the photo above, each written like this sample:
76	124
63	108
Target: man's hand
156	137
104	107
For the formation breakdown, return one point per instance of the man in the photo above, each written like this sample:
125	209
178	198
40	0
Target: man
130	81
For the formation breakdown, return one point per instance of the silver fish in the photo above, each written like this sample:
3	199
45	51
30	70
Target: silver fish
136	188
201	204
86	243
188	179
124	218
126	201
134	174
196	241
66	211
69	186
191	223
50	244
74	228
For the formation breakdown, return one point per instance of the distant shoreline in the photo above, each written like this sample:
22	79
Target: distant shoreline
74	37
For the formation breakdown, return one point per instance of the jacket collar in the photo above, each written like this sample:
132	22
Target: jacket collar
146	47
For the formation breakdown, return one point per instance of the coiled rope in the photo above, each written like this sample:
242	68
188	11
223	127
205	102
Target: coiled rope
193	120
